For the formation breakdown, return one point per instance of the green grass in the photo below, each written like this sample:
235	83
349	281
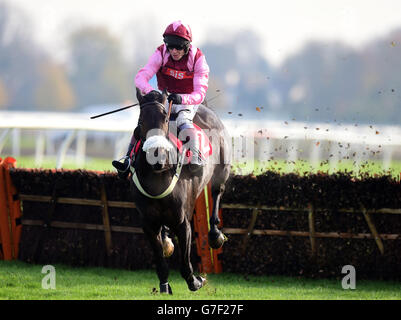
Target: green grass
97	164
22	281
255	167
301	166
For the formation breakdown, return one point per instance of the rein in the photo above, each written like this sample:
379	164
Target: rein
177	173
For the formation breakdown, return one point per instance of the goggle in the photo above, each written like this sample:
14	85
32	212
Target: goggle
175	46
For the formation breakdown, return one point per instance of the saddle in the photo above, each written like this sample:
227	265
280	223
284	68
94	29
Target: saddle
204	144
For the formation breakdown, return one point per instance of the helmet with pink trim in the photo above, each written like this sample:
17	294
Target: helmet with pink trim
179	29
178	35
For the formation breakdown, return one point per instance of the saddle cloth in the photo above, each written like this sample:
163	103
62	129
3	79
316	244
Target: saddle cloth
204	144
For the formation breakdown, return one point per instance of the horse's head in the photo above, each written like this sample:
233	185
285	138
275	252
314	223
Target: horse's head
153	128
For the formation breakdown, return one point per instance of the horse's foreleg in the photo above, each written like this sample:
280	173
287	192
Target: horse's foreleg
184	234
216	237
155	240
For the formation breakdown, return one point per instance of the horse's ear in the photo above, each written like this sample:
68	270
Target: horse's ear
139	95
164	96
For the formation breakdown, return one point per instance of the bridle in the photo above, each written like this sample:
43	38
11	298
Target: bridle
152	103
179	164
161	106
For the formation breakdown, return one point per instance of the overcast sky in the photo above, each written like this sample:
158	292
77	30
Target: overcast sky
284	26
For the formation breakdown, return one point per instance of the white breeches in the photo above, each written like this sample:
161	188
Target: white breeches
185	115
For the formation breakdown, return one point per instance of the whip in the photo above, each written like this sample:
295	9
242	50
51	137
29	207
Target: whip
117	110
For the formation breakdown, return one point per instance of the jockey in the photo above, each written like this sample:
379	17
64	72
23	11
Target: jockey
182	70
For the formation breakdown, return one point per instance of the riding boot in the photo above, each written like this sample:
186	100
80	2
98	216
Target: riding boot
197	161
123	168
123	165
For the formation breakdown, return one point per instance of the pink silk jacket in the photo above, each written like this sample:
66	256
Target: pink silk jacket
196	64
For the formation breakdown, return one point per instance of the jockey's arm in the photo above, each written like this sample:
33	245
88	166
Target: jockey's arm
201	79
147	72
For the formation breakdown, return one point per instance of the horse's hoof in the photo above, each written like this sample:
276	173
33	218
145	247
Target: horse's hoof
165	288
168	247
216	239
197	283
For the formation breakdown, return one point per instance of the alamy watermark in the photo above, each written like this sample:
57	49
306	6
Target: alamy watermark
214	136
349	281
49	280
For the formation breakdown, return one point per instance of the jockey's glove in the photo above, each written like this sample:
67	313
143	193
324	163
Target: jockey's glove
175	98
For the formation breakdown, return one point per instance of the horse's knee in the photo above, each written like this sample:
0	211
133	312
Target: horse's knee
216	238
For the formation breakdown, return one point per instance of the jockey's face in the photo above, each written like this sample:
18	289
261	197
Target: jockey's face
176	54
